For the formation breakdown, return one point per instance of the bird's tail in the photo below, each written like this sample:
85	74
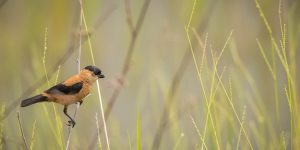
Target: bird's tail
33	100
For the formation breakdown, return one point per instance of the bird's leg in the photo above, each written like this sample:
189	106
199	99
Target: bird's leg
80	102
71	121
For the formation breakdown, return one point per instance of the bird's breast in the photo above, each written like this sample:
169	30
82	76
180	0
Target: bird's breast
83	92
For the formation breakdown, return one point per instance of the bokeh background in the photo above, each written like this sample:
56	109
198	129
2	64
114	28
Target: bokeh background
249	100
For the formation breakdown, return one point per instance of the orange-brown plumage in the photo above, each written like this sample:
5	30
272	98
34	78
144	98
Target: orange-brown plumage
71	98
72	90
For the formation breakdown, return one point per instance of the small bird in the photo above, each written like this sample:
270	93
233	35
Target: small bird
72	90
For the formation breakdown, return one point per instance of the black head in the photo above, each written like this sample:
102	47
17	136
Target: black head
95	70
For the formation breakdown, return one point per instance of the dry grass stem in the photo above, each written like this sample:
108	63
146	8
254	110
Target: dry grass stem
21	130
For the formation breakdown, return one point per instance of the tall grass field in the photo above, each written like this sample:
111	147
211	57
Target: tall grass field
179	75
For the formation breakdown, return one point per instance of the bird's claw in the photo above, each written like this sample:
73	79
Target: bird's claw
71	123
80	102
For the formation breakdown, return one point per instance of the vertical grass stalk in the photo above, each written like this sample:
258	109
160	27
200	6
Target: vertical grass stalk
138	131
98	132
198	132
32	136
97	82
240	133
21	130
78	69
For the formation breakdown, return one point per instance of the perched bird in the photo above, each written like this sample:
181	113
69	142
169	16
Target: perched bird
72	90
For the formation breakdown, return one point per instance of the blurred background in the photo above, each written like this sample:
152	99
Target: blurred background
239	89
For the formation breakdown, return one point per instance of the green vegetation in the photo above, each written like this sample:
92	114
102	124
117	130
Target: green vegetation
193	75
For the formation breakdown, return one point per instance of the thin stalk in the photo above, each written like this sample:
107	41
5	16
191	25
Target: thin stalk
98	132
235	112
57	134
129	141
21	130
198	132
178	141
138	132
78	68
57	117
240	133
32	135
44	57
97	82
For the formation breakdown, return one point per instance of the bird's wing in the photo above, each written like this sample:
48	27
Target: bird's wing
64	89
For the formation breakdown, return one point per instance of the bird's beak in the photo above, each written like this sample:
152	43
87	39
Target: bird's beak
101	76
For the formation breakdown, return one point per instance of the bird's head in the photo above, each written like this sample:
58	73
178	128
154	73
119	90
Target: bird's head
91	74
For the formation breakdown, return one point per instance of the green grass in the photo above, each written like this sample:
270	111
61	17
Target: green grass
221	99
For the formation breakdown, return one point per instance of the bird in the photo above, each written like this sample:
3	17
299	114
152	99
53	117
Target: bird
70	91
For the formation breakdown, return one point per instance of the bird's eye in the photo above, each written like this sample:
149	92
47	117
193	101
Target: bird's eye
97	72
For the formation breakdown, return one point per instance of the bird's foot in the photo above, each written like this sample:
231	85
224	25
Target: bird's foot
80	102
71	123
